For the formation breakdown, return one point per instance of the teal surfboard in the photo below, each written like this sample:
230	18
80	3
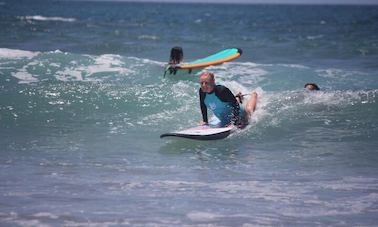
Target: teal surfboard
215	59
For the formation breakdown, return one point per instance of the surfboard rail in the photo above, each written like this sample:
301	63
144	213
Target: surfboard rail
201	133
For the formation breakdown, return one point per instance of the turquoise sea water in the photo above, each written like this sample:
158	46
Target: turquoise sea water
83	101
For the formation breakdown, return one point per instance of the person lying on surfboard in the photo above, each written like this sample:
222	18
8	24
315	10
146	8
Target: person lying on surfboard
225	106
176	57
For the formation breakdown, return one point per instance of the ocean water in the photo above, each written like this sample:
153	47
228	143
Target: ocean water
83	101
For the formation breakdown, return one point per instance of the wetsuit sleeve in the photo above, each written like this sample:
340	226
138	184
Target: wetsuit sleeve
203	106
226	95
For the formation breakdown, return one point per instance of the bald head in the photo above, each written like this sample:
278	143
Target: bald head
207	82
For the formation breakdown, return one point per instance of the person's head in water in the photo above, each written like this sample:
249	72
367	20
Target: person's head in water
311	87
207	82
177	55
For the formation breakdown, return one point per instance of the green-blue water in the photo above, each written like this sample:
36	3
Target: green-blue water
83	101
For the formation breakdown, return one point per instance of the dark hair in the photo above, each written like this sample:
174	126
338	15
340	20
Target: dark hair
177	55
316	87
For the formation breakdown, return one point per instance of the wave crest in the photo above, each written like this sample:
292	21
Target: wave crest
43	18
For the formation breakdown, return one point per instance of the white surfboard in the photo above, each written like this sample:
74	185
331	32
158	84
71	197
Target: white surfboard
202	133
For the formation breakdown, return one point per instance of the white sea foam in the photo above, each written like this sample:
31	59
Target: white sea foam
313	37
248	74
15	54
298	195
198	216
24	76
340	98
109	60
39	219
148	37
103	64
106	63
69	74
146	61
203	216
45	215
43	18
334	73
198	21
296	66
96	224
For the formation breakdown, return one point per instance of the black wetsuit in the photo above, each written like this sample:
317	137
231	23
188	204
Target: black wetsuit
223	104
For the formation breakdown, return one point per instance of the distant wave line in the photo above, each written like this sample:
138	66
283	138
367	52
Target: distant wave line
13	53
42	18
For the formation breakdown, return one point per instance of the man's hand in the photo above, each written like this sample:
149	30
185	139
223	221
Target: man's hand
204	123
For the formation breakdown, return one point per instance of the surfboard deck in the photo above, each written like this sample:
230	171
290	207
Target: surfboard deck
201	133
